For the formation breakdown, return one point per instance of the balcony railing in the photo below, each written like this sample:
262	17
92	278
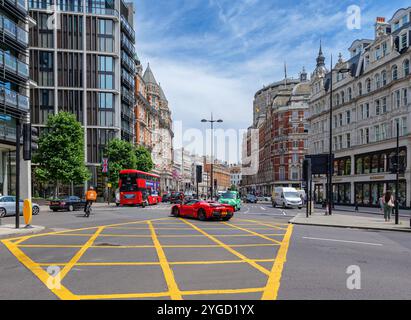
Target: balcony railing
19	4
14	31
13	99
14	65
129	30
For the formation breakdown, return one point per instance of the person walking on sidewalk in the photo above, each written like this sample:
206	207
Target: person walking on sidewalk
388	206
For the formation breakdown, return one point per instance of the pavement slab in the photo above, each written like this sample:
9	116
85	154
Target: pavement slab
351	221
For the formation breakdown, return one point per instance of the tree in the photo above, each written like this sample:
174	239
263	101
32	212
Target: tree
121	155
60	156
144	161
233	188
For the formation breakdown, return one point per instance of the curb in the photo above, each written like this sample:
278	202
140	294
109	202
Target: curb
22	232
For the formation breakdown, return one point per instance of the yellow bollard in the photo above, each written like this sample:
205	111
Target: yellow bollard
27	211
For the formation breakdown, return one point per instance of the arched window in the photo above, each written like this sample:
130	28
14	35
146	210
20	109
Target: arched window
406	67
384	77
342	97
394	72
377	81
368	84
337	99
359	88
349	94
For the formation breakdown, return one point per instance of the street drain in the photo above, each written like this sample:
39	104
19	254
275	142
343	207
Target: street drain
107	245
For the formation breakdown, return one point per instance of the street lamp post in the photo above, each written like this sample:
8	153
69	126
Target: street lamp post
330	156
212	121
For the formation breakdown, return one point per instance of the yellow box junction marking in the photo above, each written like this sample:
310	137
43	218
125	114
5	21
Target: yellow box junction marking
268	292
168	273
274	280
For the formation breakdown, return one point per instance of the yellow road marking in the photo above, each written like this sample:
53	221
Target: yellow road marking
188	246
60	291
18	240
80	253
168	273
228	248
169	235
254	233
177	263
166	294
274	280
279	226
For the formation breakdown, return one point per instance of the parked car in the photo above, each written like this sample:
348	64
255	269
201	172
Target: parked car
231	198
176	197
166	197
8	206
69	203
203	210
250	198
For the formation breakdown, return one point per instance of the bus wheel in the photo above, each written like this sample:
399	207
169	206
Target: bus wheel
143	204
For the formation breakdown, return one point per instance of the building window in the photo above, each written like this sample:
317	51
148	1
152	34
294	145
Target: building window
384	78
377	81
405	97
106	72
348	116
394	73
349	94
406	67
359	88
377	108
348	138
368	84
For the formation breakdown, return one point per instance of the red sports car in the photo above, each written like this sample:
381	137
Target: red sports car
203	210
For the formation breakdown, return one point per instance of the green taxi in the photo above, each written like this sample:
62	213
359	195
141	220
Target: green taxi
231	198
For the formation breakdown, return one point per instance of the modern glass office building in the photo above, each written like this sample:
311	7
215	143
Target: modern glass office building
82	58
14	84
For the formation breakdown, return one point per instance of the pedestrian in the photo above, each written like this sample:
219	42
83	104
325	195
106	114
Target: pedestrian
381	203
357	201
388	206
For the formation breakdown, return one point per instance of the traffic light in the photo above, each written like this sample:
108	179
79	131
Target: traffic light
30	141
199	174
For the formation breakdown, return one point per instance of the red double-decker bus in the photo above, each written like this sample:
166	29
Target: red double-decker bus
139	188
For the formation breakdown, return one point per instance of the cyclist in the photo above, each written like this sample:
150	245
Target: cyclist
91	196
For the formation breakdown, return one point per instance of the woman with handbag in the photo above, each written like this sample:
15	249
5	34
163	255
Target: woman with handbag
388	206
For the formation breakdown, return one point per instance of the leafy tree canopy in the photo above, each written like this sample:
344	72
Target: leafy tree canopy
144	160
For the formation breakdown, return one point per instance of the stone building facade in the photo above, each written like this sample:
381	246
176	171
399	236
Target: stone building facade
282	133
153	127
368	102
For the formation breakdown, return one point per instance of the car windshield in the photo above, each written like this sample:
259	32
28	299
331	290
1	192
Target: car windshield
291	194
228	195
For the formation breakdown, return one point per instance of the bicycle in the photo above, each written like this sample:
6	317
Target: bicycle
88	210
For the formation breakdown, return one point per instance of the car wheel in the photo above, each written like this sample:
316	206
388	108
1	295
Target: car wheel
284	206
175	212
70	208
36	211
3	212
201	215
54	210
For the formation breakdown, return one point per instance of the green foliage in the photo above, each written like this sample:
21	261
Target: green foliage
144	161
60	156
233	188
121	155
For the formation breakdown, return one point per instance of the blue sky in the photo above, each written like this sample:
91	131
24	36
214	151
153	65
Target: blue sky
213	55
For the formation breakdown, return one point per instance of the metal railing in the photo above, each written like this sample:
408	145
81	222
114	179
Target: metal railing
13	99
13	30
13	64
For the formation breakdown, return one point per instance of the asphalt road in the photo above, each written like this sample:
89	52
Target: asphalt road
135	253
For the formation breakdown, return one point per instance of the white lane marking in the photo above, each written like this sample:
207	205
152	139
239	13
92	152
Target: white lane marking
262	208
346	241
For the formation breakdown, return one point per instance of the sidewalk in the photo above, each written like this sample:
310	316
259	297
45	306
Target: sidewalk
368	210
10	230
349	221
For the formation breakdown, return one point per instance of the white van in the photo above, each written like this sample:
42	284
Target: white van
286	198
